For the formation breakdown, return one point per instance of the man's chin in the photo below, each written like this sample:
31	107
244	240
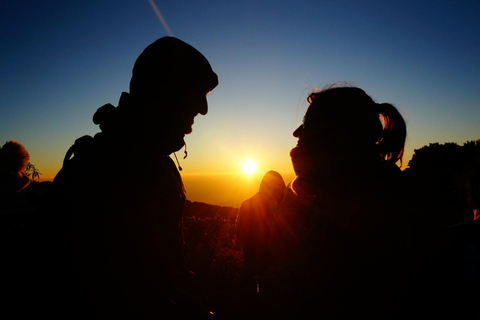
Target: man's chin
188	127
176	144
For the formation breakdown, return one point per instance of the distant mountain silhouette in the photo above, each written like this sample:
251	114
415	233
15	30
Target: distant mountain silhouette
205	210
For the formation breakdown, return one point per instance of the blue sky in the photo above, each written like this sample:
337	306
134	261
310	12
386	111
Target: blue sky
61	60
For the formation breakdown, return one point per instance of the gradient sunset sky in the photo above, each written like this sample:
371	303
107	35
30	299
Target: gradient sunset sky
61	60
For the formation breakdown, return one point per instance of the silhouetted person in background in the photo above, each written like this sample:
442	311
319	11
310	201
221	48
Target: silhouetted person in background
355	252
13	161
469	231
14	206
116	206
254	224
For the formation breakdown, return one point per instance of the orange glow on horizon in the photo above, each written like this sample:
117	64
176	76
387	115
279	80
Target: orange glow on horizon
224	189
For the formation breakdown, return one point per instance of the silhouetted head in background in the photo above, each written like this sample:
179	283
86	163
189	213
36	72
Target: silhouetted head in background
13	161
272	186
14	156
344	128
168	88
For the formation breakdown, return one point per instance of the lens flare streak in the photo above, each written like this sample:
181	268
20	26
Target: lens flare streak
160	17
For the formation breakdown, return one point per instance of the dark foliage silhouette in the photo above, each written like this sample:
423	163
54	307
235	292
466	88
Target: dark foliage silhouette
32	171
438	173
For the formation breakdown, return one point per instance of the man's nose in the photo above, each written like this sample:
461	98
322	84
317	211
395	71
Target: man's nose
203	107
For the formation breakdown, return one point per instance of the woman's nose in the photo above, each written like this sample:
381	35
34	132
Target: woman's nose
298	131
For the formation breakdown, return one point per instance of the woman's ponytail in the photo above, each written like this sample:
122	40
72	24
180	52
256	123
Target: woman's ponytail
392	140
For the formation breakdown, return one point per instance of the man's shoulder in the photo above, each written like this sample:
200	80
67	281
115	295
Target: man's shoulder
251	204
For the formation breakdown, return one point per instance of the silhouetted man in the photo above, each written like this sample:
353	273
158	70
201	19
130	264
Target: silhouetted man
117	204
254	225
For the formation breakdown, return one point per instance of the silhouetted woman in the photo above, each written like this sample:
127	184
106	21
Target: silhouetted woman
355	251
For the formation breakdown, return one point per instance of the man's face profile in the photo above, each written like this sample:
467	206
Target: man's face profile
171	80
191	103
172	117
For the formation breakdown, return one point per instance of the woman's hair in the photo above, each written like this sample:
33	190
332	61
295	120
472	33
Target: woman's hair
364	121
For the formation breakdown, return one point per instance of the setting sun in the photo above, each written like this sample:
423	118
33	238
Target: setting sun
249	167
